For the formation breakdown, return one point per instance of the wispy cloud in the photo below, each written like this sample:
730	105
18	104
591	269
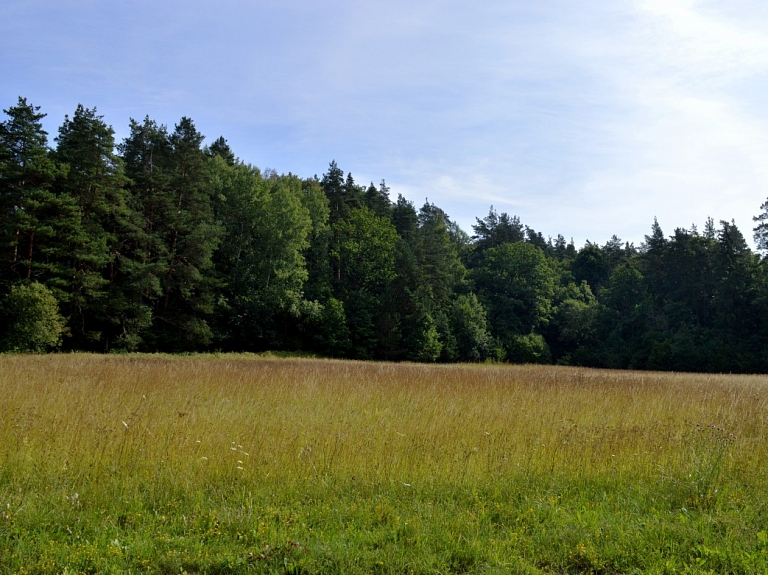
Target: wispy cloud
691	143
585	119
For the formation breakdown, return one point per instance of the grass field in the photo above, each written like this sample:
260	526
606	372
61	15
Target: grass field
232	464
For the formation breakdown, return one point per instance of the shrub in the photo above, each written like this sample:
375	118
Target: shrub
32	319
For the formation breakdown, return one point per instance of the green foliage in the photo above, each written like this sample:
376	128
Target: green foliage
441	270
166	244
262	263
516	284
377	199
330	330
591	265
528	348
31	319
318	284
577	325
344	196
174	247
95	259
405	219
363	252
495	230
426	345
626	291
362	260
221	148
469	325
35	222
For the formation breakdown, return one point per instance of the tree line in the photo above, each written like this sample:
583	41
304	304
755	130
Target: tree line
162	243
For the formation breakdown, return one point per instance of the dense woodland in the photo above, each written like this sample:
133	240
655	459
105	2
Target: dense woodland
162	243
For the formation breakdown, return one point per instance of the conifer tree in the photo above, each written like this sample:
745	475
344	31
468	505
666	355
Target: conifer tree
33	218
377	199
180	234
96	303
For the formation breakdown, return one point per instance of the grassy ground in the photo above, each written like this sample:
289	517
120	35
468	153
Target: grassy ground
230	464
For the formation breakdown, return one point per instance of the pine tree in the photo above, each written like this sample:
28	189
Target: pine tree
179	233
221	148
405	219
344	195
34	220
333	186
378	200
495	229
95	180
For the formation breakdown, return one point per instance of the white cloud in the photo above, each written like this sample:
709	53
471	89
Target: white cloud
667	123
693	145
585	119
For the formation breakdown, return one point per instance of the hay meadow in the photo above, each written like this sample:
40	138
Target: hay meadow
246	464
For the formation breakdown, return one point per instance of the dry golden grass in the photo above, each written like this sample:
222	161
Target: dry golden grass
238	464
296	418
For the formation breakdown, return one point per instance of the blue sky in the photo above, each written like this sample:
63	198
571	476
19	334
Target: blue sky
583	118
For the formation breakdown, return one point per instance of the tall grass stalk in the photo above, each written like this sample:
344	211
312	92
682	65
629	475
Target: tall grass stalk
244	464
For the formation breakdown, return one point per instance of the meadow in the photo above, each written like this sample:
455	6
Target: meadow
243	464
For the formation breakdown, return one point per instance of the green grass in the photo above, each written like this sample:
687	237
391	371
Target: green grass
234	464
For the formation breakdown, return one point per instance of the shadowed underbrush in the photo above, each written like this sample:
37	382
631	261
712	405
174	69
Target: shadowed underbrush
236	464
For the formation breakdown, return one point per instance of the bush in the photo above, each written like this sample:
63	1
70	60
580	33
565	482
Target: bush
32	319
530	348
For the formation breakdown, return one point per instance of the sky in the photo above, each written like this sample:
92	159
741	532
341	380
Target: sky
586	119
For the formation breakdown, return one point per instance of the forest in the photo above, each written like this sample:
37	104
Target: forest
160	243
